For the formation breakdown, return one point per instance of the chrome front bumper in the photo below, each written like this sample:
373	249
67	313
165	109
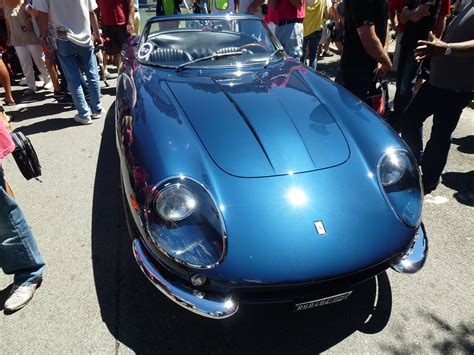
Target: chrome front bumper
414	258
206	305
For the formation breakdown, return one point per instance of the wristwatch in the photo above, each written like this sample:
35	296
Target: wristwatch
448	50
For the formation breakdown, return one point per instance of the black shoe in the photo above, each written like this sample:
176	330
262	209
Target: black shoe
58	94
327	54
65	100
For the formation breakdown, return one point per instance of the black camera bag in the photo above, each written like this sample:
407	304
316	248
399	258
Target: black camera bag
25	156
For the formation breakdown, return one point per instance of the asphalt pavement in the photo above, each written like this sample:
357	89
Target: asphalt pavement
95	300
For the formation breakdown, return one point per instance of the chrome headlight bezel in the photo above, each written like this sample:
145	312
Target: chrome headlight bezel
151	213
389	154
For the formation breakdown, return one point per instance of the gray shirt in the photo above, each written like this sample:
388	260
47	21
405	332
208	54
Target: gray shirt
456	73
15	18
71	15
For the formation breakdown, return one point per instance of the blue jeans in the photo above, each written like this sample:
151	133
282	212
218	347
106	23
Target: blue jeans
408	69
311	44
73	58
291	38
19	254
446	107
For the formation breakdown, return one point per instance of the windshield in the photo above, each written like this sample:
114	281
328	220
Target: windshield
206	42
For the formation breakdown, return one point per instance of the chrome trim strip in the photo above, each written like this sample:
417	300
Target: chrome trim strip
415	256
384	193
198	302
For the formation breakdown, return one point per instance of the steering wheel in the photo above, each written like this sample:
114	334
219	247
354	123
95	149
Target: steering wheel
254	44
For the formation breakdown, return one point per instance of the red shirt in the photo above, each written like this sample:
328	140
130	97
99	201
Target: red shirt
396	6
113	12
285	11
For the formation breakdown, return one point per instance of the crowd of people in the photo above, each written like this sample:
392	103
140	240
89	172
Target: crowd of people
434	66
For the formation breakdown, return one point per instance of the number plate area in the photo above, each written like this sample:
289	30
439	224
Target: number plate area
321	302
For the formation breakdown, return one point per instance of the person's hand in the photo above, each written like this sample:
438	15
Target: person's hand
431	48
29	25
383	69
423	10
97	38
130	28
5	119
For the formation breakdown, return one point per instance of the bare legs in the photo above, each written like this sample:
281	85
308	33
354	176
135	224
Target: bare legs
5	82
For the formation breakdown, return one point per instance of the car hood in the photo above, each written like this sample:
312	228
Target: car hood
270	123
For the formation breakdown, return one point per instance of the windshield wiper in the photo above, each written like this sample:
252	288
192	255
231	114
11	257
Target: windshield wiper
270	57
208	57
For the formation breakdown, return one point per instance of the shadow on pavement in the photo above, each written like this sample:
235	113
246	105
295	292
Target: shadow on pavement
52	124
449	338
140	317
47	109
4	295
463	183
465	144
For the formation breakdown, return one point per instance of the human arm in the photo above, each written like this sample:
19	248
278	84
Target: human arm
435	47
392	12
364	17
414	15
43	19
95	28
374	47
32	12
131	15
444	10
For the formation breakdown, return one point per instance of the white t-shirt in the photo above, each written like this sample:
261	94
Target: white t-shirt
72	15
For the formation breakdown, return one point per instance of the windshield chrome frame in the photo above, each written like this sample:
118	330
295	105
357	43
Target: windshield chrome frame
190	17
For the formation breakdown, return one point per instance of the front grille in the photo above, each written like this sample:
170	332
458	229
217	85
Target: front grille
301	292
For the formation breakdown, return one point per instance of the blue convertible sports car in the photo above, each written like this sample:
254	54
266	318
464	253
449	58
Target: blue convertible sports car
248	178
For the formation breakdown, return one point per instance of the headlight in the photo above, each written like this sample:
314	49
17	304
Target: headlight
185	223
400	182
175	203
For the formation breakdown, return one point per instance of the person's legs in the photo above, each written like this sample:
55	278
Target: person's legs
416	113
356	82
5	82
396	54
67	53
38	57
89	64
19	254
312	48
291	38
405	81
445	120
26	66
51	67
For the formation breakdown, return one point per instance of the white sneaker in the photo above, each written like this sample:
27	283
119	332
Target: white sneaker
48	85
20	296
99	114
22	82
79	119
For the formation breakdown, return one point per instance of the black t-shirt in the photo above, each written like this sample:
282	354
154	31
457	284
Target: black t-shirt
359	13
415	31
